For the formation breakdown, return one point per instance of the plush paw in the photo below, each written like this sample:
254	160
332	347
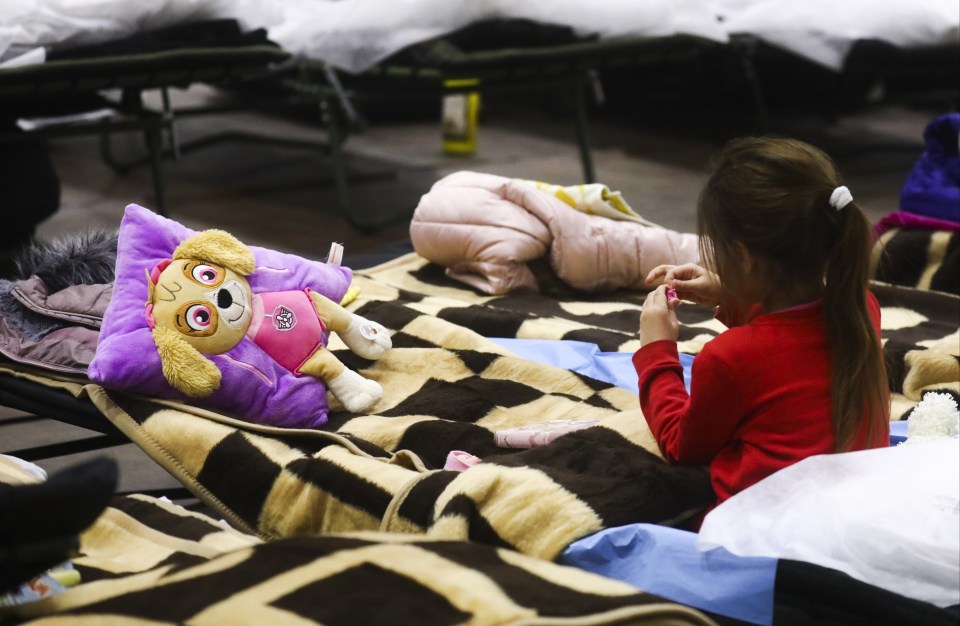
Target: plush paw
365	338
355	393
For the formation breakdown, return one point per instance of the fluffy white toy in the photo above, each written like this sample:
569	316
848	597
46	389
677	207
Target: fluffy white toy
935	417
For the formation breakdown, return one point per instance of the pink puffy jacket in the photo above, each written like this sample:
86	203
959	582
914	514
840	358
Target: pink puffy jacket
485	228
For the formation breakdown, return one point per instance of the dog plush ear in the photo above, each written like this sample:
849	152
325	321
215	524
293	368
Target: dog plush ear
219	247
184	367
150	286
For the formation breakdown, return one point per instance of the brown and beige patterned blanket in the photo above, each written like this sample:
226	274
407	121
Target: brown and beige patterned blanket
148	561
447	387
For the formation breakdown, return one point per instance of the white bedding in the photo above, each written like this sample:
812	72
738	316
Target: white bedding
28	25
824	31
888	517
355	34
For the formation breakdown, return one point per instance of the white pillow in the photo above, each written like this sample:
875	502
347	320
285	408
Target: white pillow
888	517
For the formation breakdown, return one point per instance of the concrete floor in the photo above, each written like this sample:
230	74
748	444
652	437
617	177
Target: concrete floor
282	198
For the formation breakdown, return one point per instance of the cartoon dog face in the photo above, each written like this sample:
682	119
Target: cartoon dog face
199	303
208	304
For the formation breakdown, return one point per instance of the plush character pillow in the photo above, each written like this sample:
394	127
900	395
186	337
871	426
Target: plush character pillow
200	317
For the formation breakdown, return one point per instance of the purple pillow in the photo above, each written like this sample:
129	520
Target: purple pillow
254	387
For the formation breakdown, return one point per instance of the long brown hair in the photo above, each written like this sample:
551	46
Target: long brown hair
772	196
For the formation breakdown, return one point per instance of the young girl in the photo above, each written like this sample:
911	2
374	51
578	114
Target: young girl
800	371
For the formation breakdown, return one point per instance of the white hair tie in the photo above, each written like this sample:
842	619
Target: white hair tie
840	197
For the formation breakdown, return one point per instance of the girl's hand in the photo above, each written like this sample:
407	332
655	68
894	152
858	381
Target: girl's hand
658	318
690	281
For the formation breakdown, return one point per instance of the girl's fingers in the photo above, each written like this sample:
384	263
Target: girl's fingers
652	296
651	300
680	289
683	271
657	318
660	297
656	273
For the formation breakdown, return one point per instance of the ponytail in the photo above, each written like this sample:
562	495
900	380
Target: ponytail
858	376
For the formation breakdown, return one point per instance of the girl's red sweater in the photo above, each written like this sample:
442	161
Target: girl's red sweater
759	398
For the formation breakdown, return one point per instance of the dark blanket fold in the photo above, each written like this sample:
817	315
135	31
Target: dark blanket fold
811	595
222	33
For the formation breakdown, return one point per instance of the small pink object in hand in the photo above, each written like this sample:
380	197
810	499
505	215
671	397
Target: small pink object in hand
671	294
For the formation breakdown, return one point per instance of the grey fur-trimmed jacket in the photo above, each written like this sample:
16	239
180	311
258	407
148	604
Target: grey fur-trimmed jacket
56	331
50	318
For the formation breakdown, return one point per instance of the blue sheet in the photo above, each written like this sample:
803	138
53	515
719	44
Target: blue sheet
585	358
665	562
898	432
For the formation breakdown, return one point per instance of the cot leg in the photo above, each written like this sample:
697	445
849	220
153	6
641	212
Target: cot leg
106	152
152	138
155	148
745	47
152	125
583	134
330	115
